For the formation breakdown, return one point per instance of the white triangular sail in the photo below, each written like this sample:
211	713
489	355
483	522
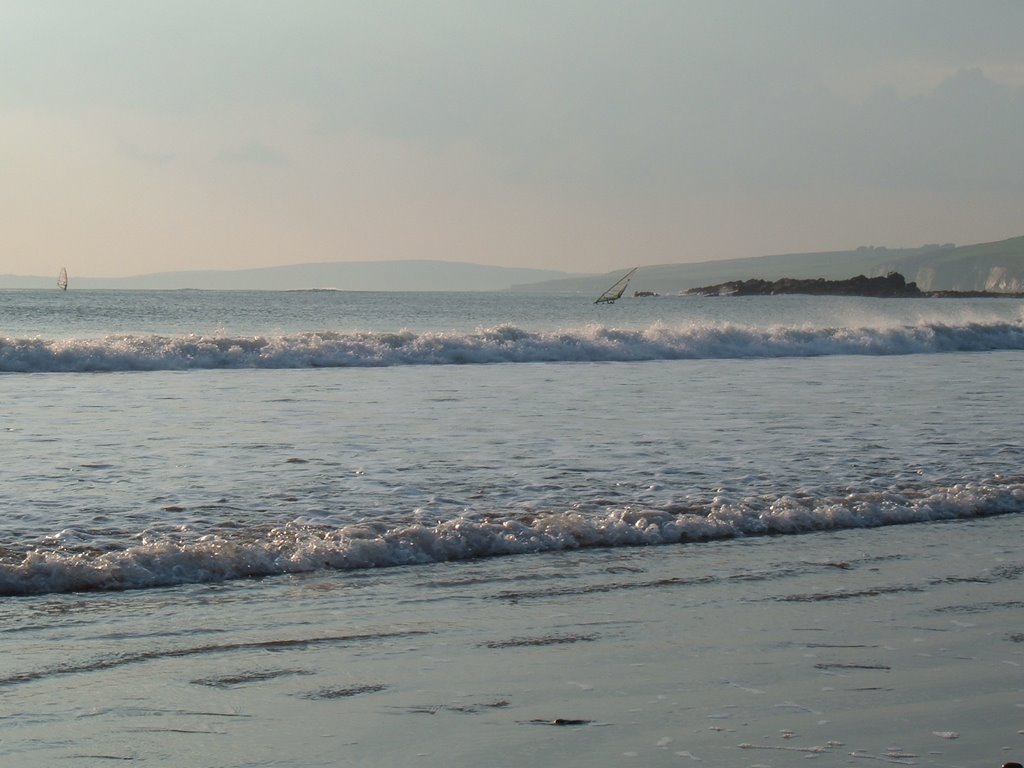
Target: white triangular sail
62	279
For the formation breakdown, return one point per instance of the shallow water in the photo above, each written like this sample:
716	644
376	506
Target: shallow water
120	478
844	646
194	527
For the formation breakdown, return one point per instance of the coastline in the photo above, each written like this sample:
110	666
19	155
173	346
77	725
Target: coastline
891	286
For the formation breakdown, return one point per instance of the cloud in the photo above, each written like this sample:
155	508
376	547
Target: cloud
252	154
633	116
964	134
146	157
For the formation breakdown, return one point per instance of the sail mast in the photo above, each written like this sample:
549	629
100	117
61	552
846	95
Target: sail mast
618	288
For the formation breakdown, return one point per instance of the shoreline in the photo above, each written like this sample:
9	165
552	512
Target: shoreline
897	645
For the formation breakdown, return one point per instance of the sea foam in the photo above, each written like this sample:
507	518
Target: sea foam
500	344
298	547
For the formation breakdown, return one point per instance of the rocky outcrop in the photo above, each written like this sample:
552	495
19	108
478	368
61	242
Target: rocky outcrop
892	286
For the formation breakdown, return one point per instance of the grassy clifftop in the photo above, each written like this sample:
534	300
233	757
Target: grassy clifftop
997	266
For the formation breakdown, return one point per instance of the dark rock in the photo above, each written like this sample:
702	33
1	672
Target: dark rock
892	286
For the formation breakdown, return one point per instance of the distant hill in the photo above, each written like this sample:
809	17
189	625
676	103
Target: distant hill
997	266
351	276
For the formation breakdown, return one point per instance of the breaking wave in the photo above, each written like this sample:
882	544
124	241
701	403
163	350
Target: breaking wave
501	344
302	548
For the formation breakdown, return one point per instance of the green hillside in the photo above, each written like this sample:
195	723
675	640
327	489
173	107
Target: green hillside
997	266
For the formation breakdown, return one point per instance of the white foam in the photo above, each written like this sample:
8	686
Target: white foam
299	547
500	344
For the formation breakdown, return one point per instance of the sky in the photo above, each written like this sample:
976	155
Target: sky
143	136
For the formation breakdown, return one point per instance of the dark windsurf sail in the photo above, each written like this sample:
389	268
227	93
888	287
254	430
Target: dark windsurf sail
614	293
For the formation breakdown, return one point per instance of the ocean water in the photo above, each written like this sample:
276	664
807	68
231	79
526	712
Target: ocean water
161	438
179	456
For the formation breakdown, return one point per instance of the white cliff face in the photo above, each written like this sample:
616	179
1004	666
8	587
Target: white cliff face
1003	280
925	278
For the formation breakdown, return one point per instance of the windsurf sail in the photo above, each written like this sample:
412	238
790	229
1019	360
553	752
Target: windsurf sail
614	293
62	279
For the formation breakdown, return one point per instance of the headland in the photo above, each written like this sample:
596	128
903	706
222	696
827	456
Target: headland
891	286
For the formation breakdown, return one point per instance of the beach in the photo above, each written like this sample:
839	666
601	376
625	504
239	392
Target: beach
868	649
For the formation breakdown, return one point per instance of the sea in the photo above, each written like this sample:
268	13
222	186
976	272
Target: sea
183	471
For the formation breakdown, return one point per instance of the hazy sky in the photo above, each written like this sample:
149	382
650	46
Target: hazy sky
585	135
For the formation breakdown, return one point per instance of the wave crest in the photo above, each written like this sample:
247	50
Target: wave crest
303	548
500	344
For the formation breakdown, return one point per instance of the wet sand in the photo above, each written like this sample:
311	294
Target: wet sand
901	646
